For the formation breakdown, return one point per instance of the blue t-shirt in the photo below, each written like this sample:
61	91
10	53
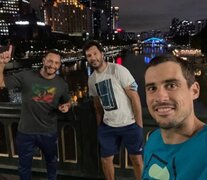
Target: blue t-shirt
185	161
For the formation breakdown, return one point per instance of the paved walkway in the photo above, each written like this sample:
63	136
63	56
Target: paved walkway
15	177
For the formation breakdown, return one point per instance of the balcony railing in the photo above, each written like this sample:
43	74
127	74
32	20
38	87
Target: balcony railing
78	149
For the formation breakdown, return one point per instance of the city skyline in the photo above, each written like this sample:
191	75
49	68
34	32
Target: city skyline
145	15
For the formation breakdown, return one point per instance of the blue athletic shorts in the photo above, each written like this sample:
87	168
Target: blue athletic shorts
110	139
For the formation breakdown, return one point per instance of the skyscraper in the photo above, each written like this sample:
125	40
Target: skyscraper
68	16
115	17
101	17
11	11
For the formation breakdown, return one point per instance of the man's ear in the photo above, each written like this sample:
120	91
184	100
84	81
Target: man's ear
195	90
102	55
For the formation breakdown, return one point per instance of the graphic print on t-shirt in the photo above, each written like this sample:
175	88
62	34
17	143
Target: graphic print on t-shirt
106	93
160	169
43	93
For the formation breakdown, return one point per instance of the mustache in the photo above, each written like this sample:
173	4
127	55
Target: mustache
162	104
50	67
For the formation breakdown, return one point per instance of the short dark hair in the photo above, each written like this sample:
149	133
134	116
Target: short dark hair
54	51
186	66
91	43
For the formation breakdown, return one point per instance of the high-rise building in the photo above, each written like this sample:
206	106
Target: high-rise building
200	24
11	11
181	27
68	16
115	17
101	17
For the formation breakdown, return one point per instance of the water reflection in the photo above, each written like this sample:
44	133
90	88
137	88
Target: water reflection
76	75
136	60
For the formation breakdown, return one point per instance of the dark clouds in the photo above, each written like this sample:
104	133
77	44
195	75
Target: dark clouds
141	15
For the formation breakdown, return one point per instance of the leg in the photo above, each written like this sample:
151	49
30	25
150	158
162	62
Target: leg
133	139
108	167
137	165
109	145
25	149
48	145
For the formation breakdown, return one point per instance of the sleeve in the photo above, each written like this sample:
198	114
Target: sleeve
91	87
65	96
125	77
15	80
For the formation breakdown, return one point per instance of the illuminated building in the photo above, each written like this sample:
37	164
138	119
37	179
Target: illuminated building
102	22
68	17
90	16
182	27
115	17
11	11
200	24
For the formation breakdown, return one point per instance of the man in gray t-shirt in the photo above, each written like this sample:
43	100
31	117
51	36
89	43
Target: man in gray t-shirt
43	95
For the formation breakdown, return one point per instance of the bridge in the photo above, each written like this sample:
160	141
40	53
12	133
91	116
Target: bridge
153	42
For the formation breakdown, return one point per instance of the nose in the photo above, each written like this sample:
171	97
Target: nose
53	64
161	95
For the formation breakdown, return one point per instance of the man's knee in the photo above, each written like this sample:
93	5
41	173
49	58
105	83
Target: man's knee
107	160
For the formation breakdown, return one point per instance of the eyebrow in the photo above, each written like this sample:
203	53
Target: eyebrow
165	81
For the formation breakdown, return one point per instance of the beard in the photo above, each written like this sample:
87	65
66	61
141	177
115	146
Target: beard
97	64
50	71
172	124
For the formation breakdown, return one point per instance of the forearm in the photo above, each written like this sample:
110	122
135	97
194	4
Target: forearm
99	117
98	110
4	59
2	84
136	105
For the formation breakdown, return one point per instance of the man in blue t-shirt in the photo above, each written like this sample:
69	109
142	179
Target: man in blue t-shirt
177	150
43	94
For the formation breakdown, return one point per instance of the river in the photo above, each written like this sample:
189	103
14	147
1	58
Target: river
136	63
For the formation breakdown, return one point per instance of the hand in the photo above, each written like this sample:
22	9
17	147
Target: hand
6	56
64	108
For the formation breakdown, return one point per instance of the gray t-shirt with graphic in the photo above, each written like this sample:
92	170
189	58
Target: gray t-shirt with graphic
40	100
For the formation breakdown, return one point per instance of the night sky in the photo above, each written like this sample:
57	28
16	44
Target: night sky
144	15
139	15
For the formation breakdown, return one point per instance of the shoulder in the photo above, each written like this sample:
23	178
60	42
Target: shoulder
203	133
118	66
60	79
91	77
118	69
29	73
25	73
153	134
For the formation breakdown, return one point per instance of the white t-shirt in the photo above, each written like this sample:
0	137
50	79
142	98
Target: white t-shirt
109	87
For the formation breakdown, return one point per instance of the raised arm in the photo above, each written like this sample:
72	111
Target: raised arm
4	59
